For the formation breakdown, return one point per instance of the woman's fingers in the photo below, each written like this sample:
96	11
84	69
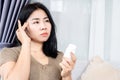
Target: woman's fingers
73	57
19	24
66	67
62	65
21	32
71	61
68	64
24	25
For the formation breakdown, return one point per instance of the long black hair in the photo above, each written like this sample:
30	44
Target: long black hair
50	46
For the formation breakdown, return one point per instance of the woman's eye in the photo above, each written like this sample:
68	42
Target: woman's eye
36	22
47	21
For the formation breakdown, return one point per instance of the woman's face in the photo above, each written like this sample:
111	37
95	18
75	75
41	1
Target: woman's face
39	28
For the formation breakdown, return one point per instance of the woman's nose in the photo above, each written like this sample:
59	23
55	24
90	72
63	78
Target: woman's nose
43	26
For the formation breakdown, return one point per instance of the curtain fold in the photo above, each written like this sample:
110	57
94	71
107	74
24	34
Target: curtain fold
10	36
9	16
1	6
9	11
4	17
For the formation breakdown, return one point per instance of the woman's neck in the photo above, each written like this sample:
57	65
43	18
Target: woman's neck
36	47
37	52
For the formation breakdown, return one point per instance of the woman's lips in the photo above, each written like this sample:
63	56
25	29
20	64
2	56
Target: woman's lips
44	34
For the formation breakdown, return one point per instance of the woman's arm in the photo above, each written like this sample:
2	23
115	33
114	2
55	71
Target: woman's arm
21	69
6	68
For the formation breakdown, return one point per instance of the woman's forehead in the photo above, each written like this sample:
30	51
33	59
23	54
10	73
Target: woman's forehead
38	14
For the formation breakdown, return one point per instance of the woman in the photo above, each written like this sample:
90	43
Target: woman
37	58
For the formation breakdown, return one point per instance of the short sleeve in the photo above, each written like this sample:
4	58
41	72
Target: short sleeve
9	54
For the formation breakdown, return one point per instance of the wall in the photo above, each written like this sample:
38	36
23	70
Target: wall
93	25
73	22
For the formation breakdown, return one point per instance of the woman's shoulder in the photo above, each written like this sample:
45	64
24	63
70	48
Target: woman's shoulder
7	49
12	51
59	56
8	54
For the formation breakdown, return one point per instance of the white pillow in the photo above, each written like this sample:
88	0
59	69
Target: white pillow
100	70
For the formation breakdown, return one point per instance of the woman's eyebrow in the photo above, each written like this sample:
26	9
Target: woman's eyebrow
45	18
36	19
39	18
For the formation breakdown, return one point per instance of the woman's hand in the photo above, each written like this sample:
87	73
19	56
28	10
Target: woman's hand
21	33
67	66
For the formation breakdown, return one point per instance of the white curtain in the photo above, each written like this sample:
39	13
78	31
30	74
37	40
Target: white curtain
105	30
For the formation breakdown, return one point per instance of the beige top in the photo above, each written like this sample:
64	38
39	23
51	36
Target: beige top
51	71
